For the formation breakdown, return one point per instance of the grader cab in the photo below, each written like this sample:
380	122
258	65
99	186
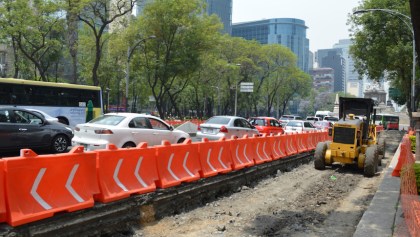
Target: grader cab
354	138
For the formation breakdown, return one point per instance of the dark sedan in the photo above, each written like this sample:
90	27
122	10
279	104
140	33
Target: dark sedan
21	128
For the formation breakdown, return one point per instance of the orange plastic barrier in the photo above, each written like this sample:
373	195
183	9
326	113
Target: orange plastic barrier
311	140
263	151
278	145
3	212
291	149
404	157
241	152
301	142
39	186
214	157
177	163
122	172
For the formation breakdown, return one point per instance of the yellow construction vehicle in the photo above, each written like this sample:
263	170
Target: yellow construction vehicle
354	138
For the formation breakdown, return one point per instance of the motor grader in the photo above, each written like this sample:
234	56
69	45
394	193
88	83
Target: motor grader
354	138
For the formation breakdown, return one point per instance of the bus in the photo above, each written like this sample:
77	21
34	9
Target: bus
67	102
388	121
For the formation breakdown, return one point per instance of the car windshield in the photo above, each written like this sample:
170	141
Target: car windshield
294	124
218	120
108	120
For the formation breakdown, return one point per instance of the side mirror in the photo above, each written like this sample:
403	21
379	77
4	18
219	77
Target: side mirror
330	132
171	128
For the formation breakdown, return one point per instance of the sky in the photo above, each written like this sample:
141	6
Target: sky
326	19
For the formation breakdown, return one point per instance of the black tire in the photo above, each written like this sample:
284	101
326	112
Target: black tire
381	147
60	143
181	140
371	162
319	156
128	145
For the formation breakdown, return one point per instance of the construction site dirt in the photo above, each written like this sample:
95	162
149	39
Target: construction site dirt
300	202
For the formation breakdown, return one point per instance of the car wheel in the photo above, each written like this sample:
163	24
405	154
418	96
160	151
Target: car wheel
128	145
181	140
59	144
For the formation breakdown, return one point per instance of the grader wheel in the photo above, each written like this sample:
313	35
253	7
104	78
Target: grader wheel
371	161
381	149
319	156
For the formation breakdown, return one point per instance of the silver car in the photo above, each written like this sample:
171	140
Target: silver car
225	126
299	126
125	130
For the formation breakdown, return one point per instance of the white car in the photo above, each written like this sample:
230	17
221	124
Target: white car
225	126
299	126
125	130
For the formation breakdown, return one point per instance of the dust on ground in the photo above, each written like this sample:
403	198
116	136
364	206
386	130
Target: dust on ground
302	202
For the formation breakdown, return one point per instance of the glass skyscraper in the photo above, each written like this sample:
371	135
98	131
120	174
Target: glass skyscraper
223	9
289	32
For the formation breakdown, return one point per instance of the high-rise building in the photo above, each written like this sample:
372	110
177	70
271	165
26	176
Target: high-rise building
289	32
323	79
222	8
354	86
332	58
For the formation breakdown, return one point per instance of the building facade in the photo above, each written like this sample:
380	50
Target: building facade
289	32
223	9
332	58
323	79
353	85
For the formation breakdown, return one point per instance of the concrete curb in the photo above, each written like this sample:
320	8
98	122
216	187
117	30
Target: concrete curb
379	219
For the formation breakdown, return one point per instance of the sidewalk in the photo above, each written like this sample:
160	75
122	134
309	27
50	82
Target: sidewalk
383	214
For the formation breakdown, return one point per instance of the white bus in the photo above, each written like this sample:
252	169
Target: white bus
67	102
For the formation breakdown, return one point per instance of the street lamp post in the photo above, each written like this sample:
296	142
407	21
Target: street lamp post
107	90
236	91
130	51
410	27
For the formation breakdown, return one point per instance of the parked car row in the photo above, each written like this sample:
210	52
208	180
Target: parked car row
28	128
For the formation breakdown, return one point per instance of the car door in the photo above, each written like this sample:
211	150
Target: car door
8	131
275	127
308	126
31	131
246	128
160	131
141	131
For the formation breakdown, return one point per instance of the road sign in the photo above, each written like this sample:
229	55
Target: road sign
247	87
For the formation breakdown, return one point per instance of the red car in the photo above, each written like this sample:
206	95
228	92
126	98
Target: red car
267	125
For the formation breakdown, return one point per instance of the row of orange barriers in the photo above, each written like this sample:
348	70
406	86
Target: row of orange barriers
34	187
408	190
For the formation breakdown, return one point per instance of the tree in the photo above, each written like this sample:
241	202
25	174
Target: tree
36	30
382	47
97	16
183	34
280	63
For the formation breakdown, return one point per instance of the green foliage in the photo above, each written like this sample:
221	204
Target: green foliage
416	168
36	30
383	44
413	142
